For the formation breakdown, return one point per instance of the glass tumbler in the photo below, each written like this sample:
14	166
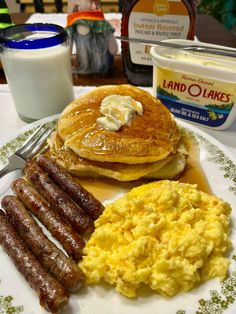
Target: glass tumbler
36	62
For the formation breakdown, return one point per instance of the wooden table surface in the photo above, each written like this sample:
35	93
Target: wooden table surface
208	30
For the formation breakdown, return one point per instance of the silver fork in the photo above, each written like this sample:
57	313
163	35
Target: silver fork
34	145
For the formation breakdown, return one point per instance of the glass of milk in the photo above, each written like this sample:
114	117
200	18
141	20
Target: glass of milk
36	61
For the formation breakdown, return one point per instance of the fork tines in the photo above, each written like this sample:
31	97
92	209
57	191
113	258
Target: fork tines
35	142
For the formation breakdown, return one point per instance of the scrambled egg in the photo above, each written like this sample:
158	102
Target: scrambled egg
167	235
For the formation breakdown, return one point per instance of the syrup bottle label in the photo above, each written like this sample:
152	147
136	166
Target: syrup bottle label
156	20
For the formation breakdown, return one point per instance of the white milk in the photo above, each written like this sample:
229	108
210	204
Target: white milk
40	80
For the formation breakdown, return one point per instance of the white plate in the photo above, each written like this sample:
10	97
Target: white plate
211	297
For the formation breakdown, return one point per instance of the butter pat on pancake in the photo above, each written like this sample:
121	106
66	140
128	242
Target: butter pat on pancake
149	137
166	235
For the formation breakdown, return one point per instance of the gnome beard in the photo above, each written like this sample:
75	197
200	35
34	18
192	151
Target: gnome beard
92	52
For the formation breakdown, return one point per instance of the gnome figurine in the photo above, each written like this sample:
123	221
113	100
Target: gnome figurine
92	36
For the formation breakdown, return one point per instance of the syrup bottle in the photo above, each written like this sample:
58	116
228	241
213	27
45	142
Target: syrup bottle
153	20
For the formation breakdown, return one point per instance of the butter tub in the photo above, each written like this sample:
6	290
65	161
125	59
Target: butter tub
197	87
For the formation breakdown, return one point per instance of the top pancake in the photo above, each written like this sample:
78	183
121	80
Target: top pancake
150	137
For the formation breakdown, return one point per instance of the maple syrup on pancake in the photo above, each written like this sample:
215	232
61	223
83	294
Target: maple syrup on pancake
107	189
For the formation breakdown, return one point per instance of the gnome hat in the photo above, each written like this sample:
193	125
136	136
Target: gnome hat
5	19
88	14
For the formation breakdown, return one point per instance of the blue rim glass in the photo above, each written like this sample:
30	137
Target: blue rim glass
13	36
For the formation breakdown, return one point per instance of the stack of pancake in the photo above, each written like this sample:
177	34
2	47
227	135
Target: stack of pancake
148	147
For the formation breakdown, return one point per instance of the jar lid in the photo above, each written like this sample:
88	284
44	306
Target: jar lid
33	36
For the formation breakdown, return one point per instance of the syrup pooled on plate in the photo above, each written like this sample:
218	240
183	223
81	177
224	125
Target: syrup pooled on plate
193	172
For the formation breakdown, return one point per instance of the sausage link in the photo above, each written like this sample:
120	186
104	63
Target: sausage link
54	260
58	199
52	295
71	241
78	194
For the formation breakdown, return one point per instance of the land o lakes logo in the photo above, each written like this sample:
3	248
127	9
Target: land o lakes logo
161	7
195	90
